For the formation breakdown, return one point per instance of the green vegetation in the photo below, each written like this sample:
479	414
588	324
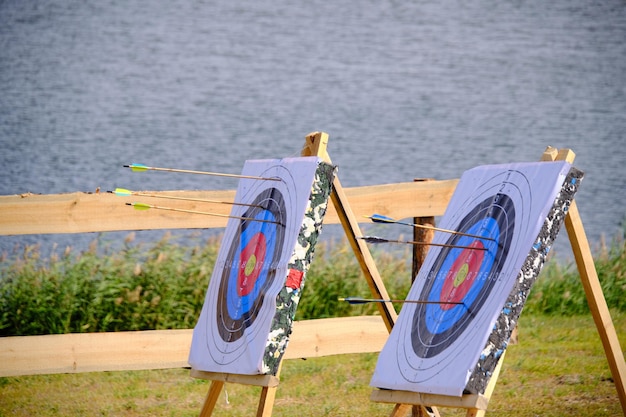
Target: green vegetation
559	291
158	287
558	368
163	286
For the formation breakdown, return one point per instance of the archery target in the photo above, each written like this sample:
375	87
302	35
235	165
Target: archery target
434	347
253	252
251	268
464	274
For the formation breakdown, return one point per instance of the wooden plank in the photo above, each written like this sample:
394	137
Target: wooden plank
266	402
81	212
476	404
399	200
89	352
256	380
161	349
591	284
407	397
211	399
334	336
102	212
362	254
317	142
597	302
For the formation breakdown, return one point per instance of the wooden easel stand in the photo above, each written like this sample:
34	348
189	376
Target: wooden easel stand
315	145
476	405
268	384
591	285
422	404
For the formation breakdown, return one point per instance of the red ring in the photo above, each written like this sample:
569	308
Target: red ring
251	263
462	274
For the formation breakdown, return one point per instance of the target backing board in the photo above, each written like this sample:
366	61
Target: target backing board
245	322
499	211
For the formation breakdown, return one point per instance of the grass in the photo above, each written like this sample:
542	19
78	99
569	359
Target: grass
157	287
163	286
558	368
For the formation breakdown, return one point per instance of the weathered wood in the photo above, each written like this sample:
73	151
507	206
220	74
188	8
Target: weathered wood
266	402
475	404
102	212
89	352
256	380
474	401
211	398
597	302
421	235
161	349
353	233
591	284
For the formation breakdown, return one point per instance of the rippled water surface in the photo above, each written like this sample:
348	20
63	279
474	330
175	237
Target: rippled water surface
404	88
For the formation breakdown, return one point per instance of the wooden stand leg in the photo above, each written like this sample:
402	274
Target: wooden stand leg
421	235
211	398
597	302
593	288
315	144
400	410
419	256
266	403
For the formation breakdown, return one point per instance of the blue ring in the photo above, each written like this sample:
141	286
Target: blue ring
434	329
234	313
237	305
439	320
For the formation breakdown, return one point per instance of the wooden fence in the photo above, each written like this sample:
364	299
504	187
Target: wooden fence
102	212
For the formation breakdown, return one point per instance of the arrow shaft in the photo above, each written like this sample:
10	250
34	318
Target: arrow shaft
150	206
200	200
385	219
373	239
442	245
423	226
357	300
136	167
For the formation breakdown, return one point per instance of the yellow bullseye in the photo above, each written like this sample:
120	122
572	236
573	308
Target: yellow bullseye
250	264
461	275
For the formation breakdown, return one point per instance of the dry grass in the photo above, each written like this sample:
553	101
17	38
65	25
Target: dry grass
558	368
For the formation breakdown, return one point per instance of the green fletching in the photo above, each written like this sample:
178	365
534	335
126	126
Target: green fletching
122	192
138	167
141	206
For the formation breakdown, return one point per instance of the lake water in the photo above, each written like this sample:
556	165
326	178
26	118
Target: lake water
404	88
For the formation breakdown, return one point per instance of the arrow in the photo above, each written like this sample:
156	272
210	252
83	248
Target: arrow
359	300
122	192
143	168
376	239
144	206
379	218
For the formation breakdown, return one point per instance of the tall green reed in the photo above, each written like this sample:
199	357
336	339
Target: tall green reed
163	286
134	288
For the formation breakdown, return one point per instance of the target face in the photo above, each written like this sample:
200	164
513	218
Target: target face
465	274
433	347
252	266
253	253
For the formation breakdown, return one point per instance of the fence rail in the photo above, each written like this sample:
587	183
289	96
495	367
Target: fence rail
101	212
